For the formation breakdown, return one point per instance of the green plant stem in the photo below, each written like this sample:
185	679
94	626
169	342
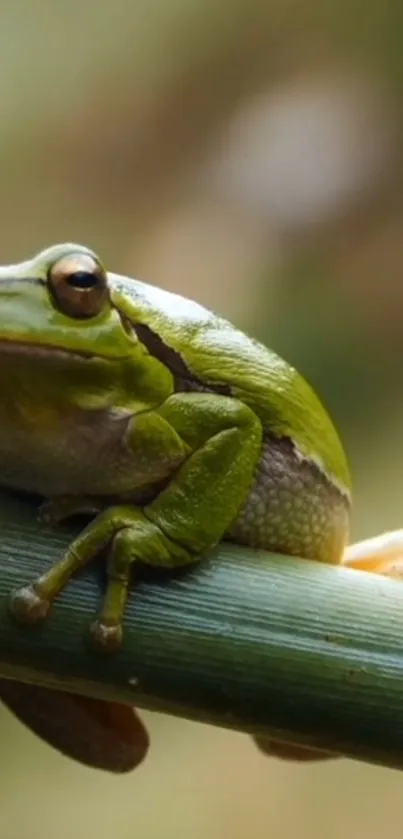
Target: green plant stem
271	645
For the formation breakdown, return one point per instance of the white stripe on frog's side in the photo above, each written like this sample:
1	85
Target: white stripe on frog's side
318	462
156	299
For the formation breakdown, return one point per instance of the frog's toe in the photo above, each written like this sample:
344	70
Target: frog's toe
27	606
106	637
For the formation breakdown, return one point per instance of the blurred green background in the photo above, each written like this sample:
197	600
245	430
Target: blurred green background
247	154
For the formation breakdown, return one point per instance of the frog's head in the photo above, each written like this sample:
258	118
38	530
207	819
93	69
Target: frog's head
68	339
60	301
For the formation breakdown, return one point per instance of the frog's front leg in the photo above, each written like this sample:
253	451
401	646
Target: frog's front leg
223	439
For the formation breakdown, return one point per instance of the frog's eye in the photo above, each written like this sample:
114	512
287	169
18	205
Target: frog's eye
79	285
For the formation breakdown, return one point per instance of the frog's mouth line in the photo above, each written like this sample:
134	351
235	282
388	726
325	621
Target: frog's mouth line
10	347
25	349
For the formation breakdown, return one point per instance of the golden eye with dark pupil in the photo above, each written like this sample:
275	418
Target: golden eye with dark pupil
79	286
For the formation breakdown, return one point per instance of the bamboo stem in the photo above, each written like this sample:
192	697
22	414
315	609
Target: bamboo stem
264	644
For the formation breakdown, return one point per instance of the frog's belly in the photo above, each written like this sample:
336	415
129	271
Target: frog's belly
85	457
293	508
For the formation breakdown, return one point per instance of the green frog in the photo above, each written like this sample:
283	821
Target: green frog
174	429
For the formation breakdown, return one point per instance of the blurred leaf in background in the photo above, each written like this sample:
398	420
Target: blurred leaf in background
246	154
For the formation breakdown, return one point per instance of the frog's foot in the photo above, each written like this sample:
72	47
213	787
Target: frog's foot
381	554
64	507
28	605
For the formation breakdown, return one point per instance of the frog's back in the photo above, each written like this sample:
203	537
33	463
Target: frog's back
221	356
